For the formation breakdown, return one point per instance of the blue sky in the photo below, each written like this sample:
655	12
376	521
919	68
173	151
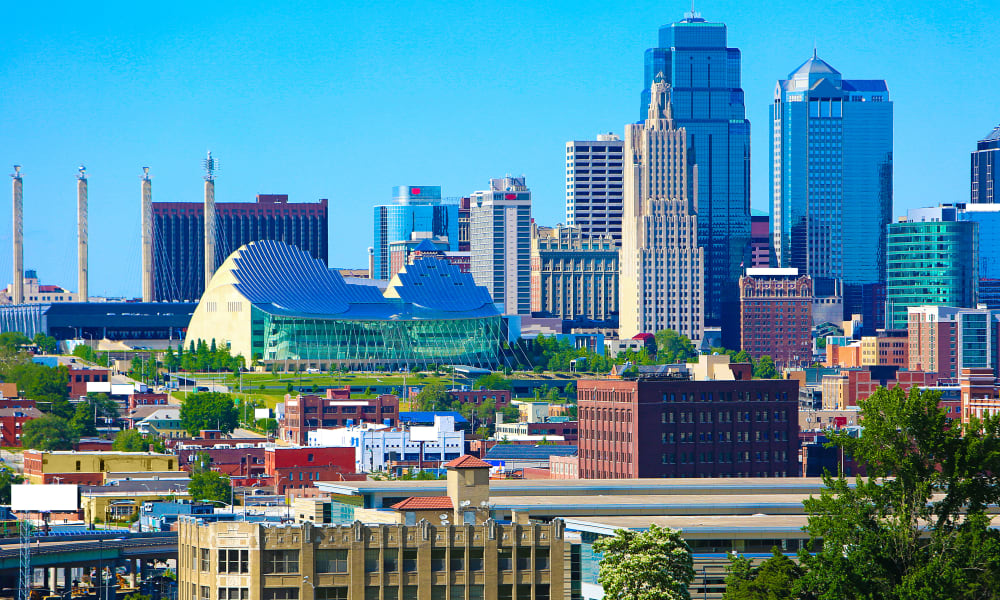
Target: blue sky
343	100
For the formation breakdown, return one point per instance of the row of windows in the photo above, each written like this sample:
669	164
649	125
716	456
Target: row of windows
723	457
724	436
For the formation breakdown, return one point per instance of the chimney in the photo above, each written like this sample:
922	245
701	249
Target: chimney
81	235
17	293
371	262
147	236
210	166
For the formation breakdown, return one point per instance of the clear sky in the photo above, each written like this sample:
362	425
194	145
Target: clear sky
343	100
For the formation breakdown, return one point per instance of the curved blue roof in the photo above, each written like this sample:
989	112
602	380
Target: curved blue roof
281	279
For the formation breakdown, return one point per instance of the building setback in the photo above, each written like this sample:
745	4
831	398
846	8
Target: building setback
500	242
179	237
594	186
776	315
661	264
573	276
760	241
679	427
986	169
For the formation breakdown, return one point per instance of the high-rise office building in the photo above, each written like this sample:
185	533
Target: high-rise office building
931	261
831	193
661	264
986	169
776	310
594	186
708	103
500	240
418	213
760	241
179	237
573	276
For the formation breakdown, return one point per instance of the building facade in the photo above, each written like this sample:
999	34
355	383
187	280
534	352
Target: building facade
500	242
945	340
296	468
986	169
179	237
305	413
37	293
708	104
417	214
90	468
831	192
594	186
776	315
687	428
380	447
662	274
760	241
573	276
930	262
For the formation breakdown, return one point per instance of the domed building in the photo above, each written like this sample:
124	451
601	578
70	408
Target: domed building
274	302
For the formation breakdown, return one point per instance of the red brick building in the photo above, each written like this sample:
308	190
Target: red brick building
500	397
776	316
303	467
146	399
80	376
678	427
564	467
14	413
305	413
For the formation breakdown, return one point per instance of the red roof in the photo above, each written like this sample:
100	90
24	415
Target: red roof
425	503
467	461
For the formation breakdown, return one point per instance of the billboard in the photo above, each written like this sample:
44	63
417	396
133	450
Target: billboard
261	413
48	497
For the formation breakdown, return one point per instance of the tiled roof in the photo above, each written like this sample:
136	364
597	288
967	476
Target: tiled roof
425	503
467	461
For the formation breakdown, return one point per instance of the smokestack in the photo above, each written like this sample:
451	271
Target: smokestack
147	236
17	294
81	234
371	262
210	166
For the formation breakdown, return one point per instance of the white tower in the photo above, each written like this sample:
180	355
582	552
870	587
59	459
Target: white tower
17	296
147	236
210	166
81	234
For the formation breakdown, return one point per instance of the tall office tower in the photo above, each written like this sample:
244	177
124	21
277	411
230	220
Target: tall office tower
179	237
81	234
661	264
831	192
708	102
760	241
594	186
500	238
986	169
417	214
574	277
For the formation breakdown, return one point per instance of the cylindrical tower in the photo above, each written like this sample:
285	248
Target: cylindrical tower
81	234
210	166
371	262
147	236
17	293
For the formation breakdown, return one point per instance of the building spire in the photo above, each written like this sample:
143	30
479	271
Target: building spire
661	104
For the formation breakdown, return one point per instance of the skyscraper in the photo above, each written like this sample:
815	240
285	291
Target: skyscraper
594	186
417	213
704	75
661	265
831	193
500	238
179	237
986	169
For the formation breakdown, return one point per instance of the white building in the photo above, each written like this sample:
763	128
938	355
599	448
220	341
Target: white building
594	186
375	445
500	243
661	265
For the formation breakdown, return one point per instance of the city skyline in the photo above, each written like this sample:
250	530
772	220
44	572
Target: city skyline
270	95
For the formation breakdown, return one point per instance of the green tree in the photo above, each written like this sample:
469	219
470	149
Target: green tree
46	343
106	407
433	396
85	352
48	433
131	440
649	565
13	340
210	486
774	579
764	368
919	525
268	425
82	421
672	347
7	477
209	410
493	381
742	357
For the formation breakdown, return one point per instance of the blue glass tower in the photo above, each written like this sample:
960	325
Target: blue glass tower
707	99
831	192
986	170
418	213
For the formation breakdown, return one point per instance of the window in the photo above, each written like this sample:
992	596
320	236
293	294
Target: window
233	561
206	593
371	561
281	561
410	560
541	559
234	593
523	559
505	560
457	560
281	594
206	560
439	592
438	559
409	591
475	559
331	561
390	560
331	593
371	593
476	592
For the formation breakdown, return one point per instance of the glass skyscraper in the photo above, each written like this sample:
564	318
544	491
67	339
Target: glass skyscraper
831	193
707	99
417	214
985	166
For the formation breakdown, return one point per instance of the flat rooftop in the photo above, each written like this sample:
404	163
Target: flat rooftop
728	525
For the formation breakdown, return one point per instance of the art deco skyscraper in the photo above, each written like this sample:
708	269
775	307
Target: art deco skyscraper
986	170
662	265
708	103
831	193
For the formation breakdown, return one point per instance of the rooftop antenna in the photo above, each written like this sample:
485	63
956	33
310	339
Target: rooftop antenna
814	49
211	165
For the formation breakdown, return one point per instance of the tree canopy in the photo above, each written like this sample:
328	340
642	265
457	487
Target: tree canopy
7	477
202	357
776	578
49	432
130	440
672	347
46	343
208	485
209	410
655	564
764	368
